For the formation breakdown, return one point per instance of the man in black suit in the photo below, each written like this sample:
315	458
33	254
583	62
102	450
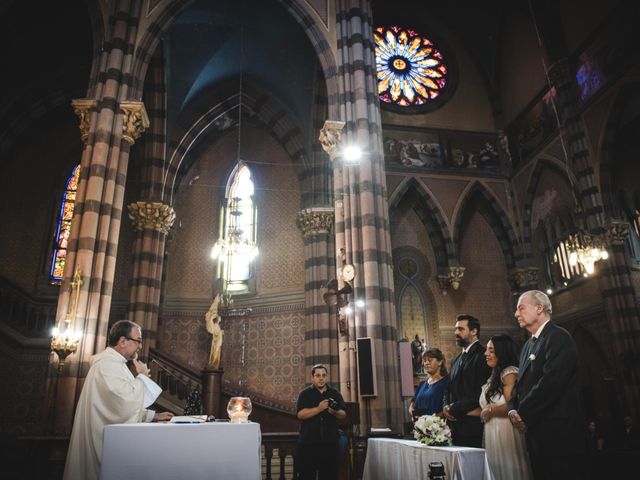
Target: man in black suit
469	371
546	402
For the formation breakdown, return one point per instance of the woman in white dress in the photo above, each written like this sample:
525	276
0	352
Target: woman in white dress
505	446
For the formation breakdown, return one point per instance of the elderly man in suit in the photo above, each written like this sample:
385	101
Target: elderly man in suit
546	401
469	371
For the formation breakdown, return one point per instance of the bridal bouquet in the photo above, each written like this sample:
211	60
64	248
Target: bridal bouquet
432	430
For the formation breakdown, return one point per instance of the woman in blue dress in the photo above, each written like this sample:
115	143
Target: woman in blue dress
429	394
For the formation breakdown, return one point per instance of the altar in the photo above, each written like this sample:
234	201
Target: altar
168	451
396	459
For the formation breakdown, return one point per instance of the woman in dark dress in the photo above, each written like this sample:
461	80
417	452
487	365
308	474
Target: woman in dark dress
428	397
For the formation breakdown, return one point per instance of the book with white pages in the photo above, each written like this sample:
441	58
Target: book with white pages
188	419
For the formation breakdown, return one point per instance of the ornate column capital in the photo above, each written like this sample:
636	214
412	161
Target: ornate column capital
82	107
330	137
616	233
518	279
452	278
152	215
315	220
135	120
524	278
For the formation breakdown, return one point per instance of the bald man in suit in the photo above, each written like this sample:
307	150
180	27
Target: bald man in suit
546	402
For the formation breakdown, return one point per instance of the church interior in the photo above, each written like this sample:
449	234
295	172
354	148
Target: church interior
283	160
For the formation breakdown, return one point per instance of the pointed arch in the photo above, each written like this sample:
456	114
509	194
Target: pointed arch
219	114
315	32
432	217
541	164
479	198
415	303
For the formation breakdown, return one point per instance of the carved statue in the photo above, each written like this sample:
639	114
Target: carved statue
212	319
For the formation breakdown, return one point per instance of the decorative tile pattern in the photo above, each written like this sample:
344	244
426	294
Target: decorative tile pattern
21	403
261	355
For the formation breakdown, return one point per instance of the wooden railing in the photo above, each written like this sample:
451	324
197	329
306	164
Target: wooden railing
284	445
176	379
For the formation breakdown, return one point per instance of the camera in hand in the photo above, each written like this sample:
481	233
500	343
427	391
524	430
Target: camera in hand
334	405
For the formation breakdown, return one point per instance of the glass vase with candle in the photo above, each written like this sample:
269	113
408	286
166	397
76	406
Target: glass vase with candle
239	409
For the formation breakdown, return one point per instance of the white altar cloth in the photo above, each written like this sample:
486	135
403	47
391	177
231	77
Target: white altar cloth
390	458
169	451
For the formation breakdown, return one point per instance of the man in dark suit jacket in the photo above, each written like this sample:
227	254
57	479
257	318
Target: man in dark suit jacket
469	371
546	402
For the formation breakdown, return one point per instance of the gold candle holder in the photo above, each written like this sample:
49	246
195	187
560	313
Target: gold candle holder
65	341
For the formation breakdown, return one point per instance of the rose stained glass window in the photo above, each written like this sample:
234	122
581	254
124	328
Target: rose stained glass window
63	228
411	70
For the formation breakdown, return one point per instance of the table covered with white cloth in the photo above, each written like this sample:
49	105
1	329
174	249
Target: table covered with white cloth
171	450
391	458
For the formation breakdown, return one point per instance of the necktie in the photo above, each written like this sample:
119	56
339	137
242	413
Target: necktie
463	358
457	364
529	347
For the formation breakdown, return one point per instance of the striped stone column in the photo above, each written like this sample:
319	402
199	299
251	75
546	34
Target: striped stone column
317	178
151	218
112	122
618	293
321	337
619	297
152	222
330	136
362	226
315	221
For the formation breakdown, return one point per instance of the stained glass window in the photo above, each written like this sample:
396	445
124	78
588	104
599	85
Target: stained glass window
63	229
411	70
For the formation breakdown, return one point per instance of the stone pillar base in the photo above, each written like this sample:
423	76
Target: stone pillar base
212	392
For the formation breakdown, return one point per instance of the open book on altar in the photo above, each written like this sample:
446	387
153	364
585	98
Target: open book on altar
189	419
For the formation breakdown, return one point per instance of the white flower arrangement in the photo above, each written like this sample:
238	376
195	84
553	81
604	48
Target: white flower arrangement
432	430
532	357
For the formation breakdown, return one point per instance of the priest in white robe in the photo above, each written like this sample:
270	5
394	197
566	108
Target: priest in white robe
112	393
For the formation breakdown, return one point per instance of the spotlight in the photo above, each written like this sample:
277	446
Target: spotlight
352	154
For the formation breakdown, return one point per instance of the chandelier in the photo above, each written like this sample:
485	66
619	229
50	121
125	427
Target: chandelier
235	243
64	339
586	249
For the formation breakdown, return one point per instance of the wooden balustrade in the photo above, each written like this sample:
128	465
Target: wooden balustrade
176	379
285	445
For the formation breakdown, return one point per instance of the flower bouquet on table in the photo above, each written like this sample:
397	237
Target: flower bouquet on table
432	430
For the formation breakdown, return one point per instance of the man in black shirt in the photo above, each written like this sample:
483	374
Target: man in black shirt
319	406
